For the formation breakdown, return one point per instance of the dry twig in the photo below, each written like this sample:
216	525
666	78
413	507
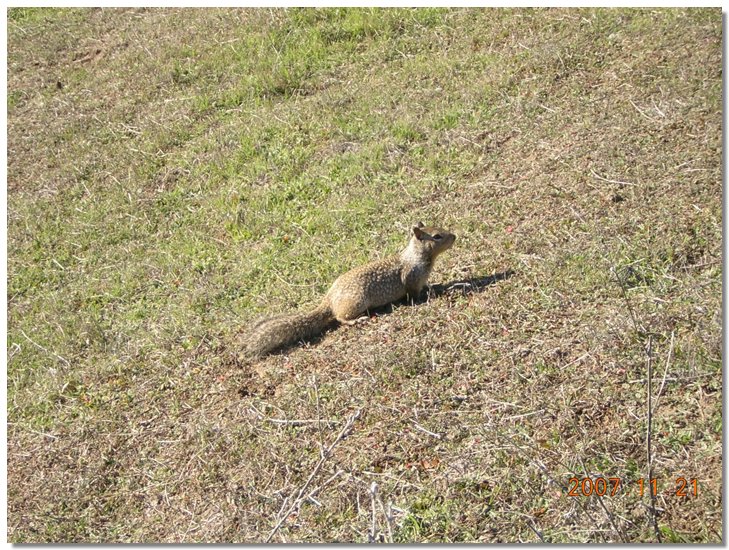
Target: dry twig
65	361
665	373
425	430
388	517
373	528
602	505
648	439
324	456
598	176
546	473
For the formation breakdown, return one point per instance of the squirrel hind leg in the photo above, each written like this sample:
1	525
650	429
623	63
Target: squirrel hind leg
357	321
346	311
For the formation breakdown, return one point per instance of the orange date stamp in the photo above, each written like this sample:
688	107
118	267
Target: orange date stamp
611	486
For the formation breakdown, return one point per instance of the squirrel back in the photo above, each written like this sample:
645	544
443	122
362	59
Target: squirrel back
353	293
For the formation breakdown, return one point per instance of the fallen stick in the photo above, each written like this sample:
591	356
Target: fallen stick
324	457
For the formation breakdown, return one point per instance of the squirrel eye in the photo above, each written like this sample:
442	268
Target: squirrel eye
437	236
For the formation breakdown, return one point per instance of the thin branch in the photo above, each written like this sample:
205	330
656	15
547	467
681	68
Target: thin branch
610	518
373	529
302	422
388	516
643	114
313	492
598	176
638	329
665	373
318	411
293	422
15	348
524	415
530	524
648	439
44	349
663	115
324	457
424	430
602	504
546	473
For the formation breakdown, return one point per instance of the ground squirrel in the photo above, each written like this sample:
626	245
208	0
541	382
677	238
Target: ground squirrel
352	294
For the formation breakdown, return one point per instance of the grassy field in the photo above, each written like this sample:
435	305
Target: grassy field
175	174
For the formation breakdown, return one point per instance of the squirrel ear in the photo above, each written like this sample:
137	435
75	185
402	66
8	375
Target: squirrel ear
419	234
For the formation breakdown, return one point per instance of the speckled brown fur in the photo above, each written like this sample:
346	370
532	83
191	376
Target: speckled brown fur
353	293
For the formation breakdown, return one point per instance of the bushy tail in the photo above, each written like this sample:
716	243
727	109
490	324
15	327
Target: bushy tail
276	332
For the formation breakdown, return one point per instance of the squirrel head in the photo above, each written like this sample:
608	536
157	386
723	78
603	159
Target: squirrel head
431	240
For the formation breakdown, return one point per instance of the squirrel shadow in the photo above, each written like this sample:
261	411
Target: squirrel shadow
466	286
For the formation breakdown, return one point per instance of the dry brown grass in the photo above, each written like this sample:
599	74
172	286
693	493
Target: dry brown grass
173	174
